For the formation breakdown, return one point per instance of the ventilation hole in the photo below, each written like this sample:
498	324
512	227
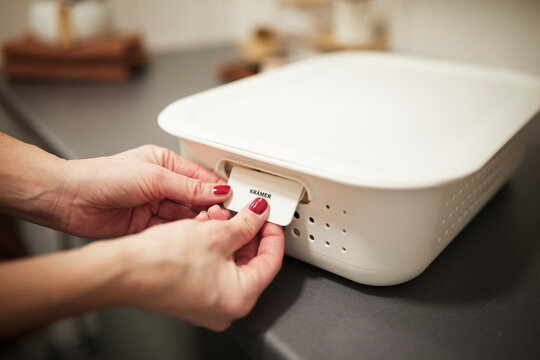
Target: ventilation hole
296	215
311	220
343	250
343	231
311	237
327	207
327	226
296	232
344	212
327	243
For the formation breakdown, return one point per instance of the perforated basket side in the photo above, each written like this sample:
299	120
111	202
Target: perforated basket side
472	193
330	227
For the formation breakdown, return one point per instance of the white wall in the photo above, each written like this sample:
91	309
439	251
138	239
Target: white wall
497	32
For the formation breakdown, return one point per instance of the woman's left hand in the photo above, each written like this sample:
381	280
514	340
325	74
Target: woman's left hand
131	191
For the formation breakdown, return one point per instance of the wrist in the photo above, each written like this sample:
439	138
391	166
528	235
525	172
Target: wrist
31	181
116	260
43	199
125	259
48	203
54	286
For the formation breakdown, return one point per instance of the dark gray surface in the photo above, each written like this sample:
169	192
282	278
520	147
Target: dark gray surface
81	120
478	300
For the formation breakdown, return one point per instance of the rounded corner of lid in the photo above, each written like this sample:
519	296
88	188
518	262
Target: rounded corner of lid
164	118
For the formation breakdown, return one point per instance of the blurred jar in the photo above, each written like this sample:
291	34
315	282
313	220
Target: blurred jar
351	22
68	21
262	44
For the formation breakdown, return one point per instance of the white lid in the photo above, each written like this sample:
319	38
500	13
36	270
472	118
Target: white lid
370	119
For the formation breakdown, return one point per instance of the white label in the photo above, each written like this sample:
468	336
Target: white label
282	194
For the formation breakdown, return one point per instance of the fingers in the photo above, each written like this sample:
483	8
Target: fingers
202	216
174	162
217	212
169	210
246	224
186	190
261	269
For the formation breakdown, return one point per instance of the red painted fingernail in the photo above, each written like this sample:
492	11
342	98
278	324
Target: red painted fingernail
221	189
258	205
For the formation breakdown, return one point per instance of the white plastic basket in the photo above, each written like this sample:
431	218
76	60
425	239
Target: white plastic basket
396	153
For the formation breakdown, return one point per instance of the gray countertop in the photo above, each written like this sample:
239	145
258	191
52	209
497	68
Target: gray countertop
80	120
480	299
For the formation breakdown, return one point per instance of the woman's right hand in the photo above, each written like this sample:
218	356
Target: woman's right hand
209	270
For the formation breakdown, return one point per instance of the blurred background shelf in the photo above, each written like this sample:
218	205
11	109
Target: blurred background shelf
306	3
325	42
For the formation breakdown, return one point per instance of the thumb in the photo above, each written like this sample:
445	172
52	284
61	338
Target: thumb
187	190
245	225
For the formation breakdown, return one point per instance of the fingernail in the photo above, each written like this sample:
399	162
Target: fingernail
258	205
221	189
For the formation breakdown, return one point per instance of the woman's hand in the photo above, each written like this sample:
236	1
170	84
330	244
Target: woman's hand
103	197
208	272
131	191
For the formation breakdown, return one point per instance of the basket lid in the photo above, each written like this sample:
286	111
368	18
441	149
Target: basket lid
372	119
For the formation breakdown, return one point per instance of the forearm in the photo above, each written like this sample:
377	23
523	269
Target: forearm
39	290
30	182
